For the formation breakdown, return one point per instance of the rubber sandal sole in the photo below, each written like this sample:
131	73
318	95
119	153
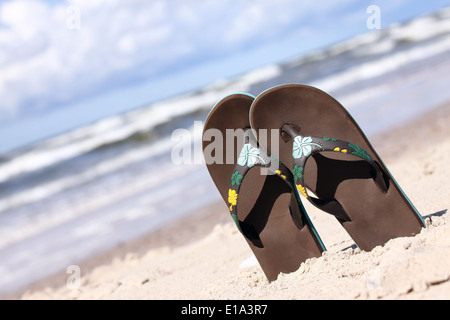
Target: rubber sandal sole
375	217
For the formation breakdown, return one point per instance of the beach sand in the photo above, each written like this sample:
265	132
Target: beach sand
203	256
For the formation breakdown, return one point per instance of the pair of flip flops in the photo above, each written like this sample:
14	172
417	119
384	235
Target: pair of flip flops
294	141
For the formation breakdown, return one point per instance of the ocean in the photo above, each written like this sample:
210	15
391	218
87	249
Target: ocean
67	198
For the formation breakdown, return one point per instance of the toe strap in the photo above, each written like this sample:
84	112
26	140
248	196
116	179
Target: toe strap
305	146
252	156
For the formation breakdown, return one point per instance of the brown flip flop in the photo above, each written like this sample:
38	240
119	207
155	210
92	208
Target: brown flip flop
265	207
330	157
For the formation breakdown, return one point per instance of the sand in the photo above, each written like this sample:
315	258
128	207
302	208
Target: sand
204	257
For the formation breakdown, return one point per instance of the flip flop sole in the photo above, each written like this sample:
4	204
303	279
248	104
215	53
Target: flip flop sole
264	200
375	216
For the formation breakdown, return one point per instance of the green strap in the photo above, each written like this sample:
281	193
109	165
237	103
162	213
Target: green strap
306	146
251	156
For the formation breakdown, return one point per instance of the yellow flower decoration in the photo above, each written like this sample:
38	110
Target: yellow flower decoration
281	175
302	190
232	198
339	149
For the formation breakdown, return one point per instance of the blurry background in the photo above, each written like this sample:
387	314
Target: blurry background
90	92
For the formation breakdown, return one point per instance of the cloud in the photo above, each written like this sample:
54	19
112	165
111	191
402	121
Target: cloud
53	53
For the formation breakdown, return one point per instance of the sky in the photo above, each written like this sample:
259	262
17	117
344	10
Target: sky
67	63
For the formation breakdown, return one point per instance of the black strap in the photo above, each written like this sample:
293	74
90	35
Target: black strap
252	155
249	157
306	146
